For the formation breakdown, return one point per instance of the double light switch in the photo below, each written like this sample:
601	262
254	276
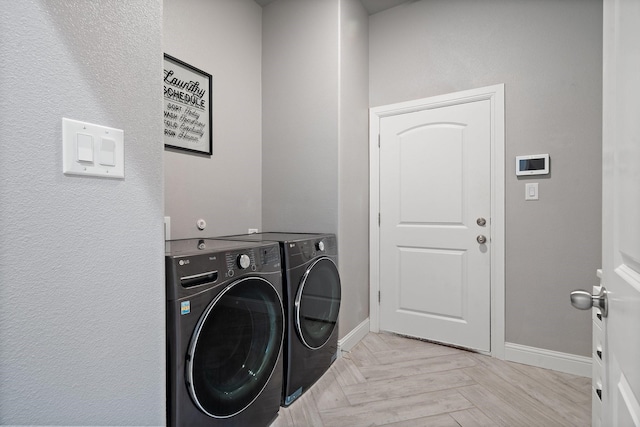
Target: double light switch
93	150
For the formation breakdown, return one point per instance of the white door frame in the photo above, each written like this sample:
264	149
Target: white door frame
495	94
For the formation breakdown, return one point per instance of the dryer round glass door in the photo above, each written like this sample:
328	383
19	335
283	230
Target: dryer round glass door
317	303
235	347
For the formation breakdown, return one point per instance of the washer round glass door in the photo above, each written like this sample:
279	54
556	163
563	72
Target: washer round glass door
235	347
317	303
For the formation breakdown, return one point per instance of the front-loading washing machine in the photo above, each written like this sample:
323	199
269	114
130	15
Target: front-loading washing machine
225	330
312	293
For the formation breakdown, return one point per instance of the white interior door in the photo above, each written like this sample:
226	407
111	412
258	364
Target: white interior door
621	213
435	211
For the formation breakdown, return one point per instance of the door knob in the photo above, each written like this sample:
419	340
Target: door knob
481	222
583	300
481	239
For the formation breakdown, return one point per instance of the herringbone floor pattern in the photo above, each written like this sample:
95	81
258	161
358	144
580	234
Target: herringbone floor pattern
387	380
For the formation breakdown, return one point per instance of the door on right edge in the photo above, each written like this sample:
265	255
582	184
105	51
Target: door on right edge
621	213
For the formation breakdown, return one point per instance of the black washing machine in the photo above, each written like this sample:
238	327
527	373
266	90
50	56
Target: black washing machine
312	304
225	330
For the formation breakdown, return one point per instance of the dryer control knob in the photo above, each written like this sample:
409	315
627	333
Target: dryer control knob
244	261
320	246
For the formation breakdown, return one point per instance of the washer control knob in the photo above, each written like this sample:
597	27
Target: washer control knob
320	246
244	261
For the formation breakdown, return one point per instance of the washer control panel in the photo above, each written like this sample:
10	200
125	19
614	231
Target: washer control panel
194	263
236	262
249	260
244	261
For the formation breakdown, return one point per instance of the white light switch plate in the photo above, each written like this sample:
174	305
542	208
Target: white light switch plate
531	191
94	150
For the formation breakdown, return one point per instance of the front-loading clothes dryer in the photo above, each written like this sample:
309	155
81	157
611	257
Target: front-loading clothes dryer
312	303
225	329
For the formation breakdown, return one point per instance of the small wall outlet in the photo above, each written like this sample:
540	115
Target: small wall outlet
167	228
252	231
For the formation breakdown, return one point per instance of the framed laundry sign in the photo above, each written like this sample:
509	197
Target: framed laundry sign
188	111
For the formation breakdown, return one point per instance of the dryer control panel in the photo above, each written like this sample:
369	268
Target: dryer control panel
303	251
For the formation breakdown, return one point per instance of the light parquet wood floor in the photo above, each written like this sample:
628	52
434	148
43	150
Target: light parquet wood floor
387	380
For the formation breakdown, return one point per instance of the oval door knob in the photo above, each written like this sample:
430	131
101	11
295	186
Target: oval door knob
583	300
481	239
481	222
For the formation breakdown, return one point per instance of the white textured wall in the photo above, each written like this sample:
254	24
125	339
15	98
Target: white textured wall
549	56
223	38
82	337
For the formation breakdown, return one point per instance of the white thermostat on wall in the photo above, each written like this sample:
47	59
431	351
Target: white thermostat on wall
534	164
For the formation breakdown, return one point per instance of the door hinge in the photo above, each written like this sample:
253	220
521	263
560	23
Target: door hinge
378	140
378	219
378	297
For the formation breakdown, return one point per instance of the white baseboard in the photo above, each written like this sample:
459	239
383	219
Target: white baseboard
542	358
353	337
548	359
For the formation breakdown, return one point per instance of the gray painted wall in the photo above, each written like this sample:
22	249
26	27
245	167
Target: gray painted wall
300	116
223	38
81	259
353	187
315	163
549	55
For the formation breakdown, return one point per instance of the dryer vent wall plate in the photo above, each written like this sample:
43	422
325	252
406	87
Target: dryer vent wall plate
92	150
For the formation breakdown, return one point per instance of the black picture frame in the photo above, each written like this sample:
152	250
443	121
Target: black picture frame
188	108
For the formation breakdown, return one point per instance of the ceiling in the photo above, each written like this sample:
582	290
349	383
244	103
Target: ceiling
372	6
